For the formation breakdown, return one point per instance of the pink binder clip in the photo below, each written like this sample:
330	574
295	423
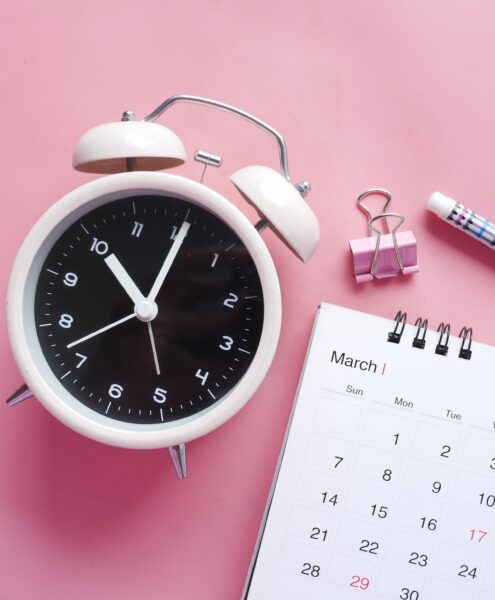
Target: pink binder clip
383	254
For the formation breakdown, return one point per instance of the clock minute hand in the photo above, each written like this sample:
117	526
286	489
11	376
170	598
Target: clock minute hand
169	259
124	279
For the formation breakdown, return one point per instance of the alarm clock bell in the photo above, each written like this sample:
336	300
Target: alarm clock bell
131	145
149	146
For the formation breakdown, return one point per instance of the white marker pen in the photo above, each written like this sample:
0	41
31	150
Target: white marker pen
464	218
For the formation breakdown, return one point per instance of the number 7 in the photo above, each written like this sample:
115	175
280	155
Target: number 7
339	460
82	357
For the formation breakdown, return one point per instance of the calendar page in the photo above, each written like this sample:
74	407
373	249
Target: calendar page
386	484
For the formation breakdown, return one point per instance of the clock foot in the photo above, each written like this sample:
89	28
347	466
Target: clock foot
178	456
23	393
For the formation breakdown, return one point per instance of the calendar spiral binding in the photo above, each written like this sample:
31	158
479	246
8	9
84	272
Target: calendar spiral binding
419	340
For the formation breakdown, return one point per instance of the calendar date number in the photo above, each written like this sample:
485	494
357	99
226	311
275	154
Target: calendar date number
487	500
361	583
421	560
319	534
311	570
370	547
329	498
466	571
477	535
379	511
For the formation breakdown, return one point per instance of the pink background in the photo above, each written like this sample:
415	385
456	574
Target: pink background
386	93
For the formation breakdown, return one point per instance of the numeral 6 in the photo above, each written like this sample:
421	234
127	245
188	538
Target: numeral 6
115	390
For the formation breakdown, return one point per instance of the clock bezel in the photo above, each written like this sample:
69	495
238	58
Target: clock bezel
24	339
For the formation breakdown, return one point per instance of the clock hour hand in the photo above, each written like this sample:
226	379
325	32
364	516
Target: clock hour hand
98	331
123	277
169	259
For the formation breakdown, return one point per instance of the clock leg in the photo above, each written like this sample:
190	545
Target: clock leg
178	456
23	393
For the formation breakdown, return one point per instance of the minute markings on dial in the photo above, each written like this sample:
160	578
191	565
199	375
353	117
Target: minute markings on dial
191	322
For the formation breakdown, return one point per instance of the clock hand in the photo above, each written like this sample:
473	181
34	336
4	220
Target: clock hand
172	253
98	331
124	279
153	348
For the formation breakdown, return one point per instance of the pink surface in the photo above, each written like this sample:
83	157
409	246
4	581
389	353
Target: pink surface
390	93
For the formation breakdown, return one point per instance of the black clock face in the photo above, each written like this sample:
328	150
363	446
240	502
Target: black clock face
149	309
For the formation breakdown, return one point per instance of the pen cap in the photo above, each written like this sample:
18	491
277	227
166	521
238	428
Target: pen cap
441	205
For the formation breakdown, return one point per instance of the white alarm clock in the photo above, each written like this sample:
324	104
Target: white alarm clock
144	308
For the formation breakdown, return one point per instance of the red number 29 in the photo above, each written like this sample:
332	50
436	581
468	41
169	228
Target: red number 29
360	582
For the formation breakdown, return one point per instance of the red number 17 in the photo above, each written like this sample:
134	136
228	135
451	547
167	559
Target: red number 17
480	532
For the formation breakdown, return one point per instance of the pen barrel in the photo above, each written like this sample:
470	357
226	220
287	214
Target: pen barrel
473	224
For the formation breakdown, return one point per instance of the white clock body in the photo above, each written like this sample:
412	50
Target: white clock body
29	356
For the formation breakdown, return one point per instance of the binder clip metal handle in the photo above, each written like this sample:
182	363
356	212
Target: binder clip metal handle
393	233
383	254
367	211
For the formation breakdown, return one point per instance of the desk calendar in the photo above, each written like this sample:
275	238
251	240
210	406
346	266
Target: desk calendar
386	483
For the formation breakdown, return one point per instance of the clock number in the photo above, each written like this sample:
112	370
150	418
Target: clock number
66	321
339	459
465	572
174	232
445	451
160	395
136	230
370	547
228	343
437	486
380	512
202	376
214	261
81	362
431	524
418	559
407	594
115	390
99	246
231	300
309	569
492	464
70	279
387	475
